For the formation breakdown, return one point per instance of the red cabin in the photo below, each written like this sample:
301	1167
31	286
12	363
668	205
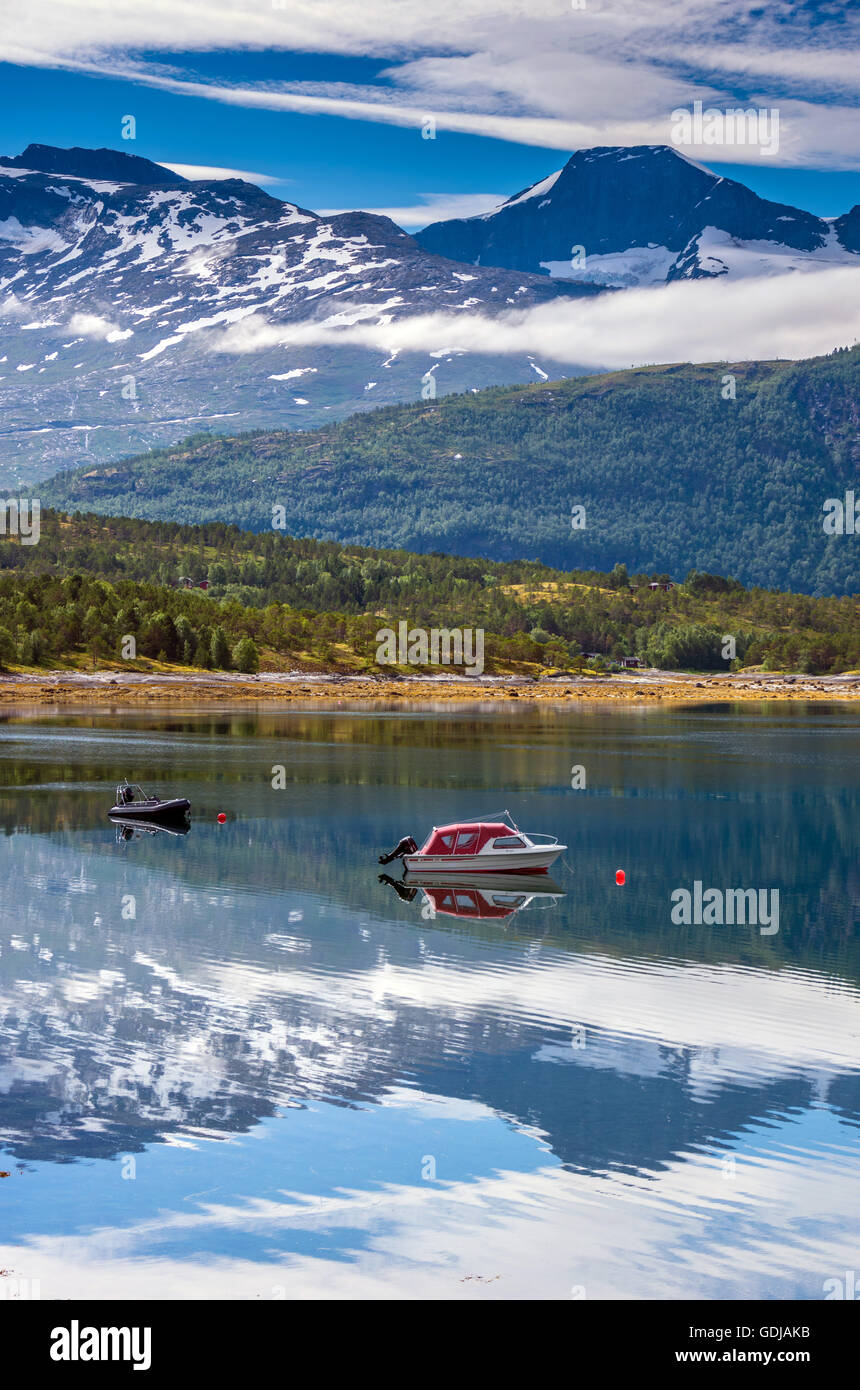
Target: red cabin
471	838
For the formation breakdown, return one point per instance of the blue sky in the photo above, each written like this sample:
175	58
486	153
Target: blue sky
326	102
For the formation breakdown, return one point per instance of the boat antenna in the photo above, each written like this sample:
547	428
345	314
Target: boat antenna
488	816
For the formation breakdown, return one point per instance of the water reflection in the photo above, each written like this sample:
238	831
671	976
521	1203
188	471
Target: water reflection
254	1010
138	829
479	897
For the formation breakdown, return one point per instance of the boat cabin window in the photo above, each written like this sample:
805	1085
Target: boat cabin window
447	841
466	841
510	842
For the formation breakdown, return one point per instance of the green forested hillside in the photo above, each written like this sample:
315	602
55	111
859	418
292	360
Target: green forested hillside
672	471
91	582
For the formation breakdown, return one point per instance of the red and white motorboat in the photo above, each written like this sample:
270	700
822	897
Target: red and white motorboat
492	846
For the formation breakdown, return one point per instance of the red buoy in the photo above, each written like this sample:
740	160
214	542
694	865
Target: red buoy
221	818
620	877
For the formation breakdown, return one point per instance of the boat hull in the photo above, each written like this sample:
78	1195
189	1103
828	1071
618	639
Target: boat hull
175	810
532	860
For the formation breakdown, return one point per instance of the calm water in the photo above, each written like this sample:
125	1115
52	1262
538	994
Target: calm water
236	1064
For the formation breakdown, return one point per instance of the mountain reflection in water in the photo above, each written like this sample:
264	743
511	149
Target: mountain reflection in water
324	1084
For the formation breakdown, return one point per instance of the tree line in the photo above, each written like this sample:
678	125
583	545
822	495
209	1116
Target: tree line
93	582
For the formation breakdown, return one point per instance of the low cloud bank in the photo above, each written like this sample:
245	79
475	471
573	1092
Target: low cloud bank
802	314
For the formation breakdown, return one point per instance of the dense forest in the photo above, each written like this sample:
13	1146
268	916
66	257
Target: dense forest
276	602
719	468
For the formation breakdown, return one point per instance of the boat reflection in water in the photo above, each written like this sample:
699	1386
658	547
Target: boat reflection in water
135	829
476	897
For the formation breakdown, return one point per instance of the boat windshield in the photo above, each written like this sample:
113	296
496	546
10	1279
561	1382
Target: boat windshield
129	792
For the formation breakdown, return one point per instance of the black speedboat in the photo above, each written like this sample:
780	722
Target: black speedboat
133	804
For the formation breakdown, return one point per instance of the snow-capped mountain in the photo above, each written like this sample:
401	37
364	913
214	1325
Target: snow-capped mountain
119	279
116	275
641	216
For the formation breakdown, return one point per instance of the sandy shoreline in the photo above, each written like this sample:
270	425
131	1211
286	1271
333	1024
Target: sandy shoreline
109	688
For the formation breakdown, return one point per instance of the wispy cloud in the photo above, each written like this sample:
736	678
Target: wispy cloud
434	207
791	316
215	171
537	73
825	70
818	136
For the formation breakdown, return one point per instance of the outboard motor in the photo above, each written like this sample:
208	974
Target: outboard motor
406	846
403	891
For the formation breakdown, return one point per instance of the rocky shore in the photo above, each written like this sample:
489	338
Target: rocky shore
112	688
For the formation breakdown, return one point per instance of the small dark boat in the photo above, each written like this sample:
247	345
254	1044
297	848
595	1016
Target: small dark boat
133	804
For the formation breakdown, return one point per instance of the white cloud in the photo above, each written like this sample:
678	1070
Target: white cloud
12	308
827	69
533	71
791	316
215	171
94	326
434	207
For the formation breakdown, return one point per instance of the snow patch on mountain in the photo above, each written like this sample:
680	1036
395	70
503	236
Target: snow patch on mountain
30	240
537	190
290	376
639	265
717	253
